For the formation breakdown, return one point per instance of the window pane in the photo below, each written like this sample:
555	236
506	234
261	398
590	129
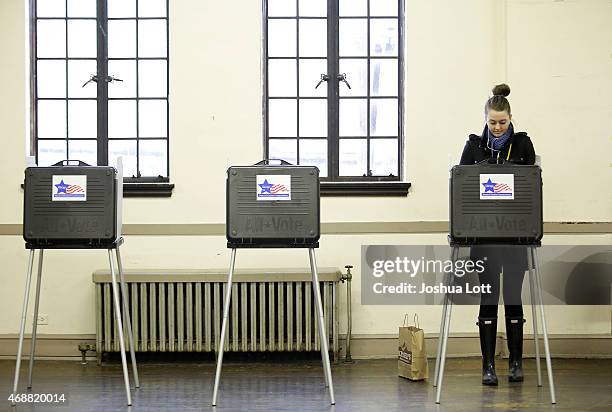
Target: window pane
127	149
281	8
152	155
51	119
383	79
313	38
79	72
353	37
285	149
51	8
353	157
121	118
353	117
383	157
282	118
353	8
383	117
313	118
51	78
126	71
282	77
51	38
356	75
153	118
82	38
384	8
122	38
313	152
310	75
281	38
152	8
121	8
83	150
313	8
383	37
152	39
82	119
81	8
152	78
51	152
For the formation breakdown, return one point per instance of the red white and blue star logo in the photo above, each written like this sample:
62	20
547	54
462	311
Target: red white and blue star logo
273	187
69	188
496	187
500	186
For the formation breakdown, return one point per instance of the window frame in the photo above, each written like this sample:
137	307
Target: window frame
135	186
335	184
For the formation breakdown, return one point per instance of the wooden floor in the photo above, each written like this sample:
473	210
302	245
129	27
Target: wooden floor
273	385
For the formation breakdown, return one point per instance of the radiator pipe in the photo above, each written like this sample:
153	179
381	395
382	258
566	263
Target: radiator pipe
84	348
348	278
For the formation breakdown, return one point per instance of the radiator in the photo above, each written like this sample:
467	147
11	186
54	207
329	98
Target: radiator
181	310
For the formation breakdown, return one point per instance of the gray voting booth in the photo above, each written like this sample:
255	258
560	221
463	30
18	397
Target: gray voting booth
71	205
496	204
274	205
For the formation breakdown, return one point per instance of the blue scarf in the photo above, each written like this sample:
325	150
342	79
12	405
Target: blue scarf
498	142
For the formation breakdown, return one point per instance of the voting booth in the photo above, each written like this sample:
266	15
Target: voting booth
496	204
72	205
274	204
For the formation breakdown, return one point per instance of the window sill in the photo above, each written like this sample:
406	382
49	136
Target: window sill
396	189
147	189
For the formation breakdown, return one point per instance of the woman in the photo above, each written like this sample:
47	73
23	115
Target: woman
499	143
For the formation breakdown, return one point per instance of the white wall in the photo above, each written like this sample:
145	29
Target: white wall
555	56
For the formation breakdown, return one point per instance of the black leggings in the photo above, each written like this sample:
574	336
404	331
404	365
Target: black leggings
513	261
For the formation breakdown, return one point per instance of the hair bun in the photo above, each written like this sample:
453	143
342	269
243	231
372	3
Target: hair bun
501	90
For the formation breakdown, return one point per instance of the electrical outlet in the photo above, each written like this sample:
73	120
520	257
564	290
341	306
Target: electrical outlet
43	319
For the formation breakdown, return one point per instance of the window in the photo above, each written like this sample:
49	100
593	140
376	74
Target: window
100	84
333	87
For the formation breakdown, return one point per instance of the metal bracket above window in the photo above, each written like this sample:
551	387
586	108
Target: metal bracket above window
341	77
94	78
324	78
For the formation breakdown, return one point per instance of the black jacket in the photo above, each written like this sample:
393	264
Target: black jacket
518	145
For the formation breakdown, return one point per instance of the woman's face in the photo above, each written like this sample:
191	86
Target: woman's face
498	122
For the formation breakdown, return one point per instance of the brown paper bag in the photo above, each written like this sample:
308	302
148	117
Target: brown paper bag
412	360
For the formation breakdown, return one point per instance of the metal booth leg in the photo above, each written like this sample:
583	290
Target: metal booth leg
226	306
127	318
534	314
24	312
35	318
324	347
446	322
442	323
119	327
551	382
321	323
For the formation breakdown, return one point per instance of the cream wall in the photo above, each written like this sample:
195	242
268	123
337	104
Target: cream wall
555	55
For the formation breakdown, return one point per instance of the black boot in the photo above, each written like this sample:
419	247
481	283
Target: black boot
514	332
488	331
